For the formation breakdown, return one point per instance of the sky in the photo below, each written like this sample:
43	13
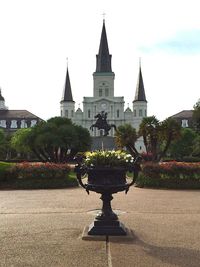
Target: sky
37	37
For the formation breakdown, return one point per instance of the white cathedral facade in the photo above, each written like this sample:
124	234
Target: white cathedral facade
104	99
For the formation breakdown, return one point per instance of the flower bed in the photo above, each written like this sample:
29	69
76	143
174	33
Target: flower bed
37	175
170	175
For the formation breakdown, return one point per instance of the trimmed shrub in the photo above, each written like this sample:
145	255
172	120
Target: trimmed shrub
6	171
170	175
38	175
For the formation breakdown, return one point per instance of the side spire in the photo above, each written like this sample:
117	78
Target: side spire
103	59
140	92
67	93
1	97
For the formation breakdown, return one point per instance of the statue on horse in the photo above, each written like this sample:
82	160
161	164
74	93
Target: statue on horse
101	123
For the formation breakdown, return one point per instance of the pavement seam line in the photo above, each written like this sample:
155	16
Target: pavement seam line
108	252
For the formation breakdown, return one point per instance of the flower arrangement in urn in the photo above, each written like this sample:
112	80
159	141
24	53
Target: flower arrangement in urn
108	159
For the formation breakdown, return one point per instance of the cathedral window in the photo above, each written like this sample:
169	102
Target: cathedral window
100	92
140	113
106	92
118	113
88	113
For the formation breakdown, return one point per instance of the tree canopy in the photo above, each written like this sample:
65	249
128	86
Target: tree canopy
196	116
158	136
56	140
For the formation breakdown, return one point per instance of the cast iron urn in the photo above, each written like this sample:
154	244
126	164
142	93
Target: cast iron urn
106	181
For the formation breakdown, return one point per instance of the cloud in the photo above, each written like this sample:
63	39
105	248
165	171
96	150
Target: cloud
184	42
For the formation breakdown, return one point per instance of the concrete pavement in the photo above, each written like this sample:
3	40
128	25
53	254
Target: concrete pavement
44	227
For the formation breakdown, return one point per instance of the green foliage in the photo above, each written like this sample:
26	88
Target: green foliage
3	144
196	116
149	130
170	175
196	146
5	171
126	136
184	146
56	140
158	136
20	140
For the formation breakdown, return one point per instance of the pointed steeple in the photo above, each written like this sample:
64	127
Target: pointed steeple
2	102
1	97
67	93
103	59
140	92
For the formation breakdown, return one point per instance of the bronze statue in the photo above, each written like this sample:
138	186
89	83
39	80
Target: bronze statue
101	123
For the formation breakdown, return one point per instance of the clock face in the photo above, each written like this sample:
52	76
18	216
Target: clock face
103	106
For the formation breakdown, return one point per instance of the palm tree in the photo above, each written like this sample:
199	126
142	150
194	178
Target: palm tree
149	129
126	136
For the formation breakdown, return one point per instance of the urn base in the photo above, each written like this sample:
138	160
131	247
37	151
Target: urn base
111	228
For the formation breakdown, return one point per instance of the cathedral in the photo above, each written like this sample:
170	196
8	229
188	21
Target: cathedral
104	100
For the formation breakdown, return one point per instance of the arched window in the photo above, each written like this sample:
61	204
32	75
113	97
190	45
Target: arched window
89	113
100	92
118	113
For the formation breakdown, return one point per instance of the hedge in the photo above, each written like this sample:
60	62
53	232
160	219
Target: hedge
175	175
35	176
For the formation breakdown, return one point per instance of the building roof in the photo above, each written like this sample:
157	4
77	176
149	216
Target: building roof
128	110
183	114
140	92
17	114
67	93
103	59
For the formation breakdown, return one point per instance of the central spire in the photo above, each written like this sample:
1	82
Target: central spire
103	63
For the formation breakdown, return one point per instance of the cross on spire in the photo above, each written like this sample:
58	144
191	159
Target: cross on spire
104	14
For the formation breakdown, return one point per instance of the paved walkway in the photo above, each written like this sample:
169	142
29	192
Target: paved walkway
43	228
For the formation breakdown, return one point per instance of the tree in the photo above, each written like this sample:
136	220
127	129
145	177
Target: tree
184	146
196	146
169	131
126	136
149	130
196	116
20	141
158	136
55	140
3	144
